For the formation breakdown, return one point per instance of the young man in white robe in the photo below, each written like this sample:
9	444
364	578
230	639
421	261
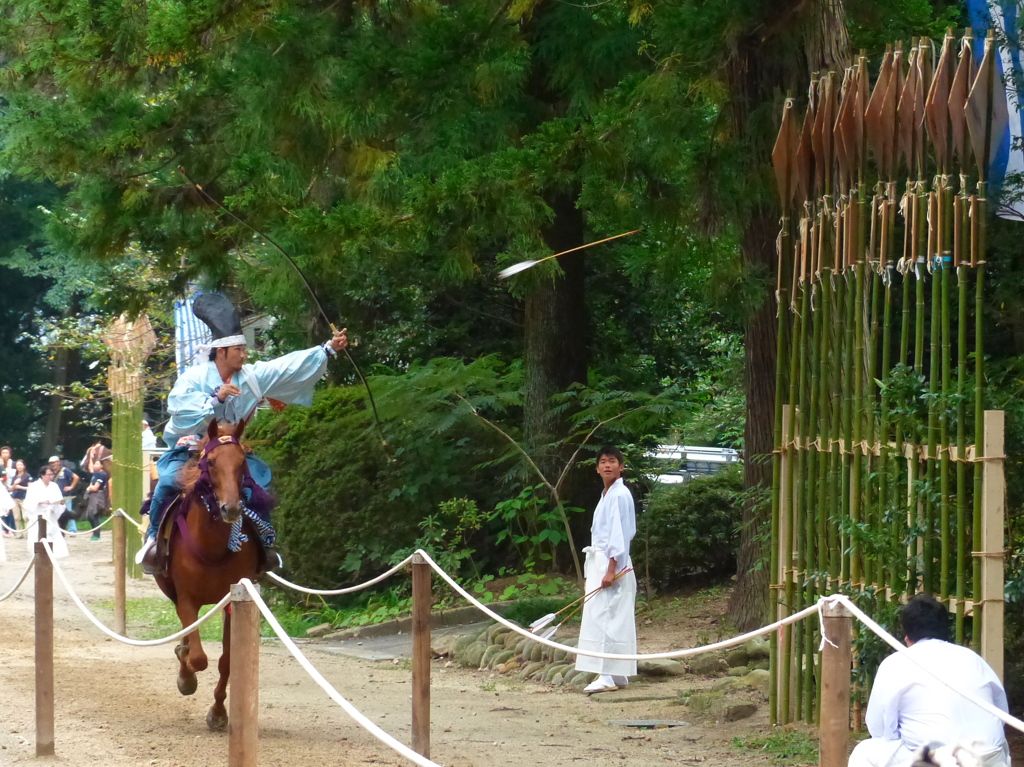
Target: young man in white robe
44	500
909	708
608	620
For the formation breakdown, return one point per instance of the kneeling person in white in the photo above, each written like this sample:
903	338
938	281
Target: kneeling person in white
44	499
909	708
608	623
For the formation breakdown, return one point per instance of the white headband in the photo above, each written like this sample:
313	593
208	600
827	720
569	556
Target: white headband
203	350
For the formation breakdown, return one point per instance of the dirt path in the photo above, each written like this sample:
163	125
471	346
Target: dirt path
117	705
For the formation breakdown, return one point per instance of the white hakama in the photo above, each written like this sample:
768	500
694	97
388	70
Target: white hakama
608	616
45	502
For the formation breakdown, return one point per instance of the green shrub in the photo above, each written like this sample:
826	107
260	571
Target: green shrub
691	528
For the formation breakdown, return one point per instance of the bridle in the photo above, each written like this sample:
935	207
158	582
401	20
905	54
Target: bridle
203	487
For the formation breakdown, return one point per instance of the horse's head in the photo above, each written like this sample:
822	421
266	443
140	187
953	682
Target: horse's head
223	460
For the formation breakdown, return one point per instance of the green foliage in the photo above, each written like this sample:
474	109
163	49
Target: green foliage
691	527
782	747
533	529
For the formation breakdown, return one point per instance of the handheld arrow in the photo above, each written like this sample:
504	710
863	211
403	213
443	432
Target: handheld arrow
522	266
305	281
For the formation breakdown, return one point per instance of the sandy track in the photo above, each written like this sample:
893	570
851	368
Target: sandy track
117	705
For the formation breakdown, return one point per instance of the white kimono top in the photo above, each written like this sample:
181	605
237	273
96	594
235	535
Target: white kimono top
45	501
908	704
614	524
290	378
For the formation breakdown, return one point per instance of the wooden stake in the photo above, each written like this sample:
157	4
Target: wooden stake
244	693
993	541
836	661
44	646
421	599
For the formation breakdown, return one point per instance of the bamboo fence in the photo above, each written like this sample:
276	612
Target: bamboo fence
888	475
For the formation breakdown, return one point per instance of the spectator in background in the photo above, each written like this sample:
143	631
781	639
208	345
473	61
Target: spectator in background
45	500
6	466
148	437
6	475
66	481
22	479
96	498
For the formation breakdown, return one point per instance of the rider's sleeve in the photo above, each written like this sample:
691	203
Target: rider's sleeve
191	408
291	378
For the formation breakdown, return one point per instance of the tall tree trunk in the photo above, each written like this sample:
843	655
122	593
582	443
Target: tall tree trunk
789	42
51	437
556	336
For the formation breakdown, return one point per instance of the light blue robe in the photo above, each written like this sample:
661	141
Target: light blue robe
290	378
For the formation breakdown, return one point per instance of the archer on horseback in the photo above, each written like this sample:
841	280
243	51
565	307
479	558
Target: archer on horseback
228	390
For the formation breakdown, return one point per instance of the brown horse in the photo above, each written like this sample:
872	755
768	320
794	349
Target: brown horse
201	567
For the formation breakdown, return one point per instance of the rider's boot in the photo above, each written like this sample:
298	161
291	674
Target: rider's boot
150	558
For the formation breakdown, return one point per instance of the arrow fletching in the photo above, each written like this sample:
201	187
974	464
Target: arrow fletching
522	266
540	623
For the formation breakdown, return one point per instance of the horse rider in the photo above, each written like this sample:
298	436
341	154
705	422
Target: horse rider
226	388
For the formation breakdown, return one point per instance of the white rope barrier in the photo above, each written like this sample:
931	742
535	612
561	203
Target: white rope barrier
21	580
326	686
347	590
91	530
897	645
19	533
685	653
113	634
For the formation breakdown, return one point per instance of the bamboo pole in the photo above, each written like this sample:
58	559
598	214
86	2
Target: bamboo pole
993	539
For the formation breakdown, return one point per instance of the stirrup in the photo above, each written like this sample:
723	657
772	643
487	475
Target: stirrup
148	544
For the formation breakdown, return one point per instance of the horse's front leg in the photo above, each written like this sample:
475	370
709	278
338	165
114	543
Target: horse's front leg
190	652
217	718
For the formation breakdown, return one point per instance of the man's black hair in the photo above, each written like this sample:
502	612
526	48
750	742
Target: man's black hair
46	468
213	355
925	617
614	452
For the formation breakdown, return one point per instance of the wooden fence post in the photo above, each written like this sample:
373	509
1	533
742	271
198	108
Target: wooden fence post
836	660
120	600
993	536
244	690
44	646
421	600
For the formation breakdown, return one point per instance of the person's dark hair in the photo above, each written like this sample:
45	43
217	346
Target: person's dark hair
46	468
925	617
614	452
7	448
213	355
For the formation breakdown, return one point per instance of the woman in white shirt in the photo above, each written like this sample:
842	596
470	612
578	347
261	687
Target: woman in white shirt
44	500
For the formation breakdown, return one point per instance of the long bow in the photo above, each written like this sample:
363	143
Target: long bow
305	281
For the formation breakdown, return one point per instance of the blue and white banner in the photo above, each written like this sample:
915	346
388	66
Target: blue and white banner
189	333
1004	17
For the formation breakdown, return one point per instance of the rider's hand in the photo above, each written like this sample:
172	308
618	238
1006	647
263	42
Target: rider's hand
340	340
228	390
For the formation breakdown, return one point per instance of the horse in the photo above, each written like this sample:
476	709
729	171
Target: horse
201	565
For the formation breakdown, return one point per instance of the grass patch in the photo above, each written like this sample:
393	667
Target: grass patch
526	611
785	747
153	618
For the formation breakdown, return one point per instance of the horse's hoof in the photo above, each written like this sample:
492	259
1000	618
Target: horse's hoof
187	684
216	722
